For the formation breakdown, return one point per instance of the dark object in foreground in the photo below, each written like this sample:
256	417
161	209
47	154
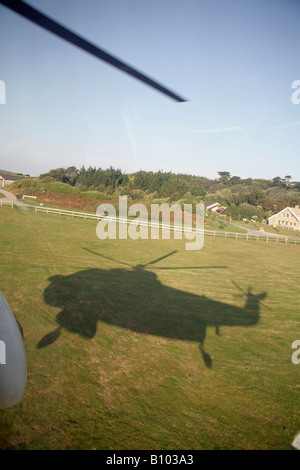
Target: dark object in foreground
13	364
47	23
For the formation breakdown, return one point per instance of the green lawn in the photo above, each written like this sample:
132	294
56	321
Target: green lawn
144	345
213	224
210	223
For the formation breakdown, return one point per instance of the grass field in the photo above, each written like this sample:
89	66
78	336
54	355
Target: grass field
59	203
143	345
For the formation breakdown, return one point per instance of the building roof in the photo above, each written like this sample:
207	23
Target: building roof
294	210
211	203
222	208
11	177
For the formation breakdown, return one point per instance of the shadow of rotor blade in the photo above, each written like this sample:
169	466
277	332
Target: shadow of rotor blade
196	267
238	287
161	258
245	293
106	257
47	23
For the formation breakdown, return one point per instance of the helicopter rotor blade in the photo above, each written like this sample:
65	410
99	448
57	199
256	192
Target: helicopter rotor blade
51	25
245	294
127	264
238	287
155	261
194	267
159	259
106	257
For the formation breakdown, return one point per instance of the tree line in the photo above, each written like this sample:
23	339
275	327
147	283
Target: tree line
164	184
243	198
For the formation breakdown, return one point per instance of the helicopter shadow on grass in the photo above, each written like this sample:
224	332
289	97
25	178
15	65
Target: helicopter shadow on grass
136	300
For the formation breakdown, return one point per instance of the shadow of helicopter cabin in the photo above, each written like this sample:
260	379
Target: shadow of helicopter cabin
143	305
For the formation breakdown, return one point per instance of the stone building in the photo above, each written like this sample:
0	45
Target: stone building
287	218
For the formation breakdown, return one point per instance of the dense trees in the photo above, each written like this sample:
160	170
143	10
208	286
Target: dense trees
243	198
164	184
62	175
99	179
91	178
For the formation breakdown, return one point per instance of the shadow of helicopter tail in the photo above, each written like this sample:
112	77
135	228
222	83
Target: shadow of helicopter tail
206	357
50	338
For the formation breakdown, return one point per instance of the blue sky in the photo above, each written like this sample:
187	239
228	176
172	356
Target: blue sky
234	60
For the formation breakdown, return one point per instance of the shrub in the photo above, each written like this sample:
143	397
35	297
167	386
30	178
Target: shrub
61	188
98	195
29	186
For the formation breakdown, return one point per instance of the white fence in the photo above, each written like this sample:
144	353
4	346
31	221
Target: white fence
213	233
6	203
51	210
30	197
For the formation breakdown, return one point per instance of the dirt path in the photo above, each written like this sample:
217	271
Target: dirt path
264	233
11	198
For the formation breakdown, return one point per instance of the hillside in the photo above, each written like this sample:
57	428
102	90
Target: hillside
87	188
11	173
